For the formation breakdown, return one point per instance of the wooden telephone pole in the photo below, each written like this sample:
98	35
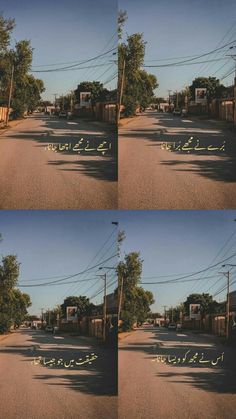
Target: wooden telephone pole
10	95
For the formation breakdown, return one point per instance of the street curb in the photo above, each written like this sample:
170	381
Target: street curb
124	335
127	121
3	130
3	337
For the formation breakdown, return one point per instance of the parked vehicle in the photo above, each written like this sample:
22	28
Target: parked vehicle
177	112
62	114
184	112
49	329
172	326
179	327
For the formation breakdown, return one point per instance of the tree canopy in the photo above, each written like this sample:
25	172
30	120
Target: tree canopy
135	300
13	303
27	89
208	305
139	85
212	84
81	302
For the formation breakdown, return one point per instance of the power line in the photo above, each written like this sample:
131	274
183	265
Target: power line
70	276
75	65
175	281
186	63
191	59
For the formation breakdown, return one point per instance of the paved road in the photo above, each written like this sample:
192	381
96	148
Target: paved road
151	177
39	391
148	389
35	178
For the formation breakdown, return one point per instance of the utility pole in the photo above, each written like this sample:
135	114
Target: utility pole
120	298
165	313
10	95
104	277
55	99
227	330
121	92
105	307
169	96
171	314
233	56
42	315
71	100
227	274
177	99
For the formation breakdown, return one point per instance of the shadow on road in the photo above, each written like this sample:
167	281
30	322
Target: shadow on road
102	169
216	165
99	378
54	131
219	378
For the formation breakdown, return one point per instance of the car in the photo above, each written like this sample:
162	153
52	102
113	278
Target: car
184	112
49	329
55	329
179	327
62	114
177	112
172	326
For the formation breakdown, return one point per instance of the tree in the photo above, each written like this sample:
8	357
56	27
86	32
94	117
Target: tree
176	313
208	305
82	303
143	301
6	27
13	303
212	84
95	87
138	84
146	85
19	304
26	88
122	17
135	300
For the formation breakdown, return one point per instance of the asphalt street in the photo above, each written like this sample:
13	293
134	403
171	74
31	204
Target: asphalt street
32	390
166	390
34	177
152	177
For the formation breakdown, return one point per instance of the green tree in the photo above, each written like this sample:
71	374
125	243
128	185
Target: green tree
26	88
6	28
95	87
138	84
13	303
135	300
208	305
212	84
19	303
81	302
122	17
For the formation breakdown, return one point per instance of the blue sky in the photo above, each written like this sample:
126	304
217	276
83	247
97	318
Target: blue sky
52	244
178	242
59	243
183	28
65	31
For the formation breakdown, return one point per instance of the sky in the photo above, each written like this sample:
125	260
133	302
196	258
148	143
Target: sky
65	31
56	244
51	245
174	29
180	242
